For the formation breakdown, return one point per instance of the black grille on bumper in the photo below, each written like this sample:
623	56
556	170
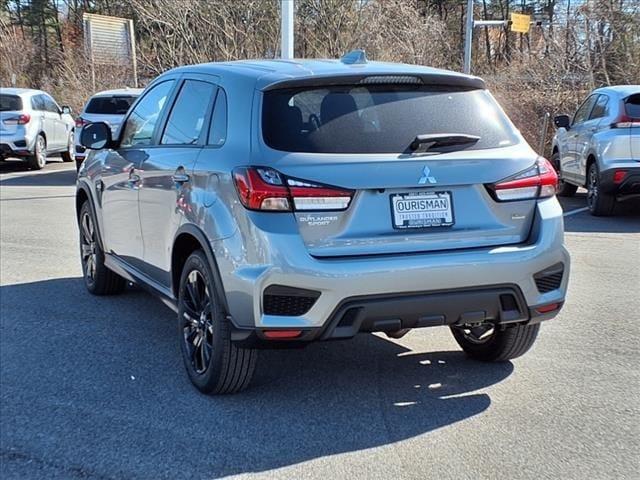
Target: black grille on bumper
288	301
550	278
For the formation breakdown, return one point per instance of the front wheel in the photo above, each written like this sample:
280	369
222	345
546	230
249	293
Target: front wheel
489	343
69	154
214	364
98	279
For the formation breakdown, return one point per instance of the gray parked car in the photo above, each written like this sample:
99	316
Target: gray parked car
110	107
276	203
32	126
599	148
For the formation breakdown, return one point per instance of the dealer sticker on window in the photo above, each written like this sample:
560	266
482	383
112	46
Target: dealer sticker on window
422	210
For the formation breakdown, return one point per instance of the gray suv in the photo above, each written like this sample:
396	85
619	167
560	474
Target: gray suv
599	148
276	203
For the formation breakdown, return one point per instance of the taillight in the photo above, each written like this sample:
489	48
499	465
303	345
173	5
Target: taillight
80	122
625	121
538	181
21	119
263	188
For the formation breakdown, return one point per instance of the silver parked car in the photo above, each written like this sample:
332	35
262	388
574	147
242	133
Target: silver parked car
277	203
32	126
599	148
110	107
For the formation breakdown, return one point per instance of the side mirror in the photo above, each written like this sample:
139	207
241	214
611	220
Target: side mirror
95	136
66	110
562	121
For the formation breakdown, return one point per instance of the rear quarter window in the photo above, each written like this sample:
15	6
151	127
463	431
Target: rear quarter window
116	105
9	103
632	105
379	118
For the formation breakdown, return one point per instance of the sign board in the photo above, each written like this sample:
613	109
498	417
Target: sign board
520	23
110	41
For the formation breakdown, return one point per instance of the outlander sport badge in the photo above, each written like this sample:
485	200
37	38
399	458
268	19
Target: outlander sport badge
426	178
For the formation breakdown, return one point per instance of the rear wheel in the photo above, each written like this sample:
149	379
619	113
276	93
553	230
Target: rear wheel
489	343
38	160
600	204
214	364
98	279
69	154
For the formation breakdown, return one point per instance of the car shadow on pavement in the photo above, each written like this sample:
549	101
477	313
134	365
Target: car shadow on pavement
53	178
625	218
97	383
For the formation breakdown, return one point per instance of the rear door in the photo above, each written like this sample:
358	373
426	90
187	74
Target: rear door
165	189
54	126
358	138
590	127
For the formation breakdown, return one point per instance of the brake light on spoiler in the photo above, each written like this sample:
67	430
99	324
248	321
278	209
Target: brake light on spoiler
538	181
266	189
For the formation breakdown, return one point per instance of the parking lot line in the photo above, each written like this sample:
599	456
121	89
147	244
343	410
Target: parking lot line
573	212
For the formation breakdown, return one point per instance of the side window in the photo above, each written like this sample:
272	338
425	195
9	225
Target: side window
585	109
600	108
37	103
142	121
218	130
188	113
49	104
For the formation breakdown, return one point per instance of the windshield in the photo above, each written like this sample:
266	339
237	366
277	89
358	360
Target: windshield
110	105
379	118
9	103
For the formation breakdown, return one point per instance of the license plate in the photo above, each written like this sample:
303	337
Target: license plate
422	210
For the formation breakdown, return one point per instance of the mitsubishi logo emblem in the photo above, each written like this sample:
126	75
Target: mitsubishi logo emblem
426	178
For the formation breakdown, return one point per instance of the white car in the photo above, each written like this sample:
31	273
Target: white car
32	126
110	107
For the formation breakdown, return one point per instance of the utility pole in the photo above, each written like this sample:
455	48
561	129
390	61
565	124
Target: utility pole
286	29
468	38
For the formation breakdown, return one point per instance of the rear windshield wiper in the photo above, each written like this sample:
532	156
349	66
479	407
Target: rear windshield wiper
434	140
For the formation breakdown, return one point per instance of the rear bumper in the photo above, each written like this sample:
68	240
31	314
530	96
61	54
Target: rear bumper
630	184
416	289
15	147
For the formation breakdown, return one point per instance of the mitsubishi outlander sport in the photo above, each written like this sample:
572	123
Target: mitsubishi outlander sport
277	203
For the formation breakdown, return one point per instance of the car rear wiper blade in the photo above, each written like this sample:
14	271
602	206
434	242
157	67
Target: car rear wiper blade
441	140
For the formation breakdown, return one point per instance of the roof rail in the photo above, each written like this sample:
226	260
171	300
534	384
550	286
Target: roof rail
354	57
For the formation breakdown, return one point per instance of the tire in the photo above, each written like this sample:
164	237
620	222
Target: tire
564	189
38	160
69	154
214	364
500	345
98	279
600	204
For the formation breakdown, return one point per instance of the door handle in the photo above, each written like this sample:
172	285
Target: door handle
134	178
180	176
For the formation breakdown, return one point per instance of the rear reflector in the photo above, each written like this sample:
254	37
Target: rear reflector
548	308
619	175
281	334
538	181
266	189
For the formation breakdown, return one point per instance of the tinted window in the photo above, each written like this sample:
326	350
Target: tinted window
218	130
37	102
585	109
632	106
10	102
142	121
379	118
117	105
49	104
600	108
187	115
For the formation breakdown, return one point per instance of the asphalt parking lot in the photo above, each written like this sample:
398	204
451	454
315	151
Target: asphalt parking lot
94	387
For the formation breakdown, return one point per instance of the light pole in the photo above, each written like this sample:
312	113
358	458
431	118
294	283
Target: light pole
286	29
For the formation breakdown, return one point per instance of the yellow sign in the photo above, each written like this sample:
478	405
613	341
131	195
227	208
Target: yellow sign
520	23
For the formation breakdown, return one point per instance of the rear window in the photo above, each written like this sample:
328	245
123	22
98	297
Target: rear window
110	105
632	105
378	118
10	102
